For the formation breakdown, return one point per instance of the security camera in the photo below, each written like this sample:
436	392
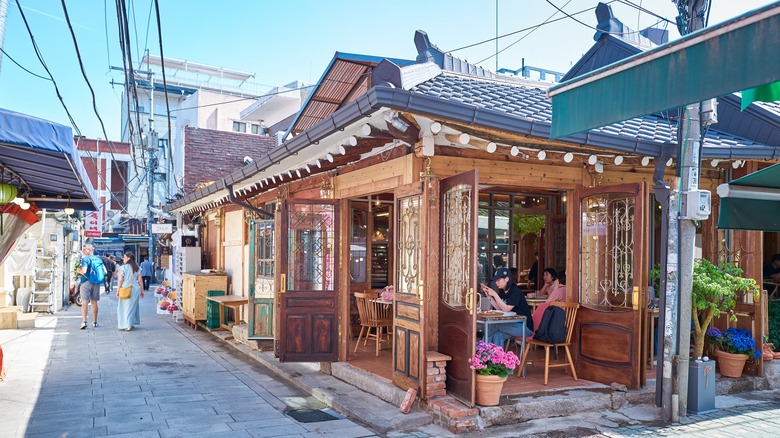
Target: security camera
248	159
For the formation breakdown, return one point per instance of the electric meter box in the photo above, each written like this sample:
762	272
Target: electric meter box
698	205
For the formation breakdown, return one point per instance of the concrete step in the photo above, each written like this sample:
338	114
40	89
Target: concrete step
26	320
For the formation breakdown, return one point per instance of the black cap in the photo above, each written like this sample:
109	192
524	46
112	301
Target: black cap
501	273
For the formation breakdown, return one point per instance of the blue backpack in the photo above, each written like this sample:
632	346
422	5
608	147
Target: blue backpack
96	272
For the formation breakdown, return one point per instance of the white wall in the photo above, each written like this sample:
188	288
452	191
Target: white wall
234	251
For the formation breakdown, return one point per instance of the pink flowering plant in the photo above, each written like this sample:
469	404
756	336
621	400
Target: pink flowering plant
492	360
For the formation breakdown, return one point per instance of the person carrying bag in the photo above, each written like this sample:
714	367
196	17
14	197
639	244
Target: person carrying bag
129	292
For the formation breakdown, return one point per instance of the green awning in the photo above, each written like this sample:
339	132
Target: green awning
751	202
736	55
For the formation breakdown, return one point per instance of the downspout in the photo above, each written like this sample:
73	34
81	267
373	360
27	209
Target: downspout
233	200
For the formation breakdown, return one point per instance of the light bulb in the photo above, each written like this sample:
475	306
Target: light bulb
69	210
670	162
598	167
645	161
714	163
618	160
541	155
25	205
514	151
592	160
18	200
568	157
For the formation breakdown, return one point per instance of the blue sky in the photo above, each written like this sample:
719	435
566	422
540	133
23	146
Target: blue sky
283	41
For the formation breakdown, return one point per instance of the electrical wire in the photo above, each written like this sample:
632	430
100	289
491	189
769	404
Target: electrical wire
165	89
522	30
146	40
595	28
646	11
89	85
45	67
20	65
122	47
521	38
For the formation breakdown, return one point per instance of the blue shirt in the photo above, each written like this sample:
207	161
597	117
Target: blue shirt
146	269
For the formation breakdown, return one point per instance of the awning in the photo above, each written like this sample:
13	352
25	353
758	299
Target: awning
43	162
732	56
751	202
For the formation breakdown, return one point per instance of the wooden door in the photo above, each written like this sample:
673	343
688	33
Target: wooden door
411	248
610	274
261	279
308	279
457	300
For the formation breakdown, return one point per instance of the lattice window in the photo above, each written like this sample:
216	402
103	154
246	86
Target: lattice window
311	247
456	251
409	246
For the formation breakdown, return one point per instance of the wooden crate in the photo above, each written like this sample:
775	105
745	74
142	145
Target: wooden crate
194	288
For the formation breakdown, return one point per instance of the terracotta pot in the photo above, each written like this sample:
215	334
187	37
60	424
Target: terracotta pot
731	365
489	389
766	352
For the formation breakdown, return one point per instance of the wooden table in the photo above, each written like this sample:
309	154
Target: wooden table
232	301
486	319
533	303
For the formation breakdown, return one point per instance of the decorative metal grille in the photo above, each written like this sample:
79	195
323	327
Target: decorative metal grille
456	248
264	256
409	246
310	247
607	251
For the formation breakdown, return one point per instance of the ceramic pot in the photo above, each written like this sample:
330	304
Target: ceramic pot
489	389
730	364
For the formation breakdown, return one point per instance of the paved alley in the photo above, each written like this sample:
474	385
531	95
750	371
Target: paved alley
159	380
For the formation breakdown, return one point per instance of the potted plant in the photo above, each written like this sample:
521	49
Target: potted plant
715	292
492	365
734	348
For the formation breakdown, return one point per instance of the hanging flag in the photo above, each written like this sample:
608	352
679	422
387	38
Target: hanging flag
765	93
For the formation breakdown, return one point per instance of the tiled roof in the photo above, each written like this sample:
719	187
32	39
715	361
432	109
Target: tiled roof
528	102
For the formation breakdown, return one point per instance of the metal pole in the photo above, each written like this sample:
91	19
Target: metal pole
690	145
670	310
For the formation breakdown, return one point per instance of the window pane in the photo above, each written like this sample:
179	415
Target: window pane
456	257
311	248
501	230
357	247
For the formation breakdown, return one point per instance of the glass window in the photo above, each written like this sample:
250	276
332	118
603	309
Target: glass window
357	247
239	126
264	256
501	230
259	129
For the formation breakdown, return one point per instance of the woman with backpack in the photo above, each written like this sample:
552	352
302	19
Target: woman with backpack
127	312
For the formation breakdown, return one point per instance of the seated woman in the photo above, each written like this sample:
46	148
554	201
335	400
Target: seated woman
514	302
550	277
558	294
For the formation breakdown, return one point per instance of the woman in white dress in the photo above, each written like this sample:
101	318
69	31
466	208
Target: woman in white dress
129	274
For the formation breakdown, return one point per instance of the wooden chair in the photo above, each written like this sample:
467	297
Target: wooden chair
374	316
571	315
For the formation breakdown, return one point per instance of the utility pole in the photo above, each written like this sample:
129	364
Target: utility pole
692	18
150	170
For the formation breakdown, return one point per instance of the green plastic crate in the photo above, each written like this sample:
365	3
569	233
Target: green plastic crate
212	309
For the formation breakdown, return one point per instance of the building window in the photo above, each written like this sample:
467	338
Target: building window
239	126
259	129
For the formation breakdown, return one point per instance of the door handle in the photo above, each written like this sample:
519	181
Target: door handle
283	281
470	301
635	298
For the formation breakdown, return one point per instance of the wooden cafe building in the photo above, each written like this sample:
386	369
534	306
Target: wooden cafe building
426	175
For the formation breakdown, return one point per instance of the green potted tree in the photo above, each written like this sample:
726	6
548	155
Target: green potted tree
715	290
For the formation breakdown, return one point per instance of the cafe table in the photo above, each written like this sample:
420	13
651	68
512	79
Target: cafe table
492	318
533	303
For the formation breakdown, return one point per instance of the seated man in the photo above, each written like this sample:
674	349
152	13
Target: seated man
514	302
772	269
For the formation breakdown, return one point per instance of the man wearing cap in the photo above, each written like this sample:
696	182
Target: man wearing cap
514	302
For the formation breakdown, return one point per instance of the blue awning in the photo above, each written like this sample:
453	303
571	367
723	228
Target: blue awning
43	163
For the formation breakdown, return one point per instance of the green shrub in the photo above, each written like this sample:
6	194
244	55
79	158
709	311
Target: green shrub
774	323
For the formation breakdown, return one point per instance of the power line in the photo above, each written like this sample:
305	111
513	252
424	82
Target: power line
522	30
520	39
89	85
146	40
43	63
591	27
165	89
646	11
20	65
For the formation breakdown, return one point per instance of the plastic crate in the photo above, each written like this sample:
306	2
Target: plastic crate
212	309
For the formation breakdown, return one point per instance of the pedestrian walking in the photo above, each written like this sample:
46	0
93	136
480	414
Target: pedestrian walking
129	275
146	272
110	265
93	273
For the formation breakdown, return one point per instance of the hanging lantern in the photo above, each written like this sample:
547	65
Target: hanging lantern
7	193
